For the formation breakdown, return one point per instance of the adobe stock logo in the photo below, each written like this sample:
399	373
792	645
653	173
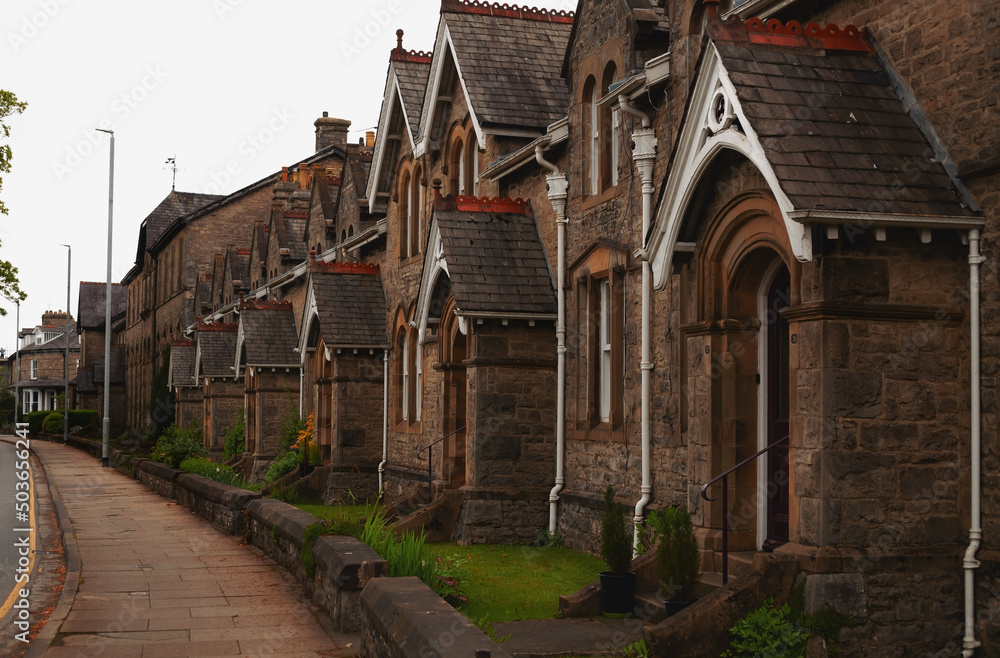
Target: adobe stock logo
32	25
381	18
249	148
121	108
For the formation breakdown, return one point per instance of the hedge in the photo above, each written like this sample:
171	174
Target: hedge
77	418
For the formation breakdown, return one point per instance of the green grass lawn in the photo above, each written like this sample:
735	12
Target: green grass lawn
336	512
508	583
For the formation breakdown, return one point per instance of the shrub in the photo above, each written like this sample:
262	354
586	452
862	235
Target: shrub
283	465
235	439
35	419
292	428
7	404
53	423
766	631
84	417
287	494
214	470
677	557
176	444
616	544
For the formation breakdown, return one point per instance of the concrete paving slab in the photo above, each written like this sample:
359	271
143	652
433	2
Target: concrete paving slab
156	580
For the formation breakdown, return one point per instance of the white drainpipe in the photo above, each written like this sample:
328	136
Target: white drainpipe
558	187
644	154
970	563
385	422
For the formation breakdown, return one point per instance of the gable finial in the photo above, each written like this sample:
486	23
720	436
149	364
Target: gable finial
399	39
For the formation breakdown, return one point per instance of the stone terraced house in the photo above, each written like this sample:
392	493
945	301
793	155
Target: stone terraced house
636	245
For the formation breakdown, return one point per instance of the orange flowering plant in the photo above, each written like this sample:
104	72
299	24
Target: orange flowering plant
304	439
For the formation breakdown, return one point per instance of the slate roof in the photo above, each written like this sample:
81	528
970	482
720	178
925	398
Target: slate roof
511	66
239	266
176	204
411	75
350	303
217	347
56	344
269	334
496	261
182	355
836	132
92	304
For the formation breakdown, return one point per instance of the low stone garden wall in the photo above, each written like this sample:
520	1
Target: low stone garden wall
220	504
394	620
159	477
402	617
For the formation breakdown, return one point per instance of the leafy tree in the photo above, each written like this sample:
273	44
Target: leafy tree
9	106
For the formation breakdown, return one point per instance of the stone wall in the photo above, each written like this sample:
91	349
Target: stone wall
189	406
223	399
220	504
160	478
357	409
511	402
402	617
275	394
502	516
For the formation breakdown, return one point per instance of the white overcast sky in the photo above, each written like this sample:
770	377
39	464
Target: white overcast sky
207	81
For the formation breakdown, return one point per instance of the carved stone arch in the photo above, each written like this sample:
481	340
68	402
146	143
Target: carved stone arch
743	254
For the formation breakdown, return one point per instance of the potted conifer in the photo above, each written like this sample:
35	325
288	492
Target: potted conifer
618	583
677	558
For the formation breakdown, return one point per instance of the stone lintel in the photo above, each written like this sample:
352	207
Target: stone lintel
885	312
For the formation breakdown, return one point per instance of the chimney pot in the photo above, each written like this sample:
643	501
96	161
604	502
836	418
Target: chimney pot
370	139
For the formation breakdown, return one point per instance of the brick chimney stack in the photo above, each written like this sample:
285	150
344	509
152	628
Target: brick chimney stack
55	318
331	132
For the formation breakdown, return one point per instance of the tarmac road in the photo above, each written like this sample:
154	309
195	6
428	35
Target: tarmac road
39	548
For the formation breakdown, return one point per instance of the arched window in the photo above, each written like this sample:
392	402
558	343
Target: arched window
609	132
471	170
403	214
413	371
591	137
455	168
416	218
400	375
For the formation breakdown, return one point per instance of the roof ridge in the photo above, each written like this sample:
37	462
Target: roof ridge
345	268
506	11
483	204
413	56
792	34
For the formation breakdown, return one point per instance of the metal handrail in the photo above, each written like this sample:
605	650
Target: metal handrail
430	455
725	501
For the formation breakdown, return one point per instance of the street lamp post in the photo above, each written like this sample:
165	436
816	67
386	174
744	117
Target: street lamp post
106	433
69	269
17	363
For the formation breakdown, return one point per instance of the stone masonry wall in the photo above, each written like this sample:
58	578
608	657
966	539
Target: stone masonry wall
223	399
276	393
511	424
357	409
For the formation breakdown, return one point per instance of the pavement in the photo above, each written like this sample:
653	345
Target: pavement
145	577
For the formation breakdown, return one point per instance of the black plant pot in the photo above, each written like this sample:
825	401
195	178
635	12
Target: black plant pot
617	594
673	607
